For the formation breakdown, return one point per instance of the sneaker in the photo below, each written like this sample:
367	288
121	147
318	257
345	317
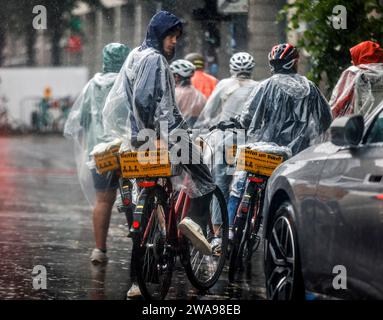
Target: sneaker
98	256
231	234
134	291
216	245
193	232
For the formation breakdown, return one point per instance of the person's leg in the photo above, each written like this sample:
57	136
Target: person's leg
232	206
236	192
223	181
105	186
101	217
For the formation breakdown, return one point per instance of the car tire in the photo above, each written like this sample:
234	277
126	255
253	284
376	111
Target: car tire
283	272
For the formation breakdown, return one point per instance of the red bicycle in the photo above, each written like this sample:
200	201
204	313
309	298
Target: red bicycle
158	242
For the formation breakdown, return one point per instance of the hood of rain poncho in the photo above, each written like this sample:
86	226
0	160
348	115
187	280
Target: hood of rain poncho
114	55
84	124
226	101
159	27
366	52
288	110
143	96
358	91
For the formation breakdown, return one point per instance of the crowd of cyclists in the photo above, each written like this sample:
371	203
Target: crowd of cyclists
142	88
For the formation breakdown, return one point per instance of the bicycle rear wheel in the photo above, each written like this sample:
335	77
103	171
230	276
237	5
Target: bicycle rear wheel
245	236
203	271
154	257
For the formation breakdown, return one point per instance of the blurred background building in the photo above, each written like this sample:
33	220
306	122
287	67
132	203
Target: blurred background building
216	28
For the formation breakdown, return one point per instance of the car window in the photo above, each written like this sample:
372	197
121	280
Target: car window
376	133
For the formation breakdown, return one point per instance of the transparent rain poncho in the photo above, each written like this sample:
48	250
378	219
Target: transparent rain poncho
142	102
226	101
289	110
85	124
190	102
358	91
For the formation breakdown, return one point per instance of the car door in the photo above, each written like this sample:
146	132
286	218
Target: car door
351	216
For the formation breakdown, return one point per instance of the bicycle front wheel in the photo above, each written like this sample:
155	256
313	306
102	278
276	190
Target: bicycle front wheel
203	271
154	257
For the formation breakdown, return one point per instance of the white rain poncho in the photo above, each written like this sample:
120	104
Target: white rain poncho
85	124
287	109
226	101
143	97
358	91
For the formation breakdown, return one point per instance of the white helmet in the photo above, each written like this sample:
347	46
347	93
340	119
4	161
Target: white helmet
241	62
183	68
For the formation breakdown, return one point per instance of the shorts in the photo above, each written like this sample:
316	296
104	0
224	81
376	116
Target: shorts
105	182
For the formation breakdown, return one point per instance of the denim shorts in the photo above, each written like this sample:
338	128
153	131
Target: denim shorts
104	182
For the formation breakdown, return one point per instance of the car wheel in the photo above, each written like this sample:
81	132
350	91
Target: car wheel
282	266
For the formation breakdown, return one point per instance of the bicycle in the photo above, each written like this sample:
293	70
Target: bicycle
156	240
259	161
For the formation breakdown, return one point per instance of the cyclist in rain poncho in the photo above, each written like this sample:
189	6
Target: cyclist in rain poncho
201	80
286	109
142	98
225	103
85	126
230	94
190	101
360	87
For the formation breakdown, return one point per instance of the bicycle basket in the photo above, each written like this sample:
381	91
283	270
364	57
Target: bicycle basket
107	160
147	164
261	158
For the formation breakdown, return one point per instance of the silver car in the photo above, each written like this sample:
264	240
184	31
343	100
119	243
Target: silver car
323	216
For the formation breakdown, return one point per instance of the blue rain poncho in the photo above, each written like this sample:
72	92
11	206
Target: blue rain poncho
84	124
144	93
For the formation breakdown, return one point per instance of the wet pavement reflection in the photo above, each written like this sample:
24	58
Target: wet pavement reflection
46	221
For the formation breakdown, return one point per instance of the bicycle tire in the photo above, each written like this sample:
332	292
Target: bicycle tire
153	263
195	279
241	238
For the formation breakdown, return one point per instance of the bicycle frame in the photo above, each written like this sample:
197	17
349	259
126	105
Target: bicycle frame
179	209
247	209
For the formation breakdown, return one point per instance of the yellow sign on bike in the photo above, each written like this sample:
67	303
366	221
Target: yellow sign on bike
107	161
257	162
145	164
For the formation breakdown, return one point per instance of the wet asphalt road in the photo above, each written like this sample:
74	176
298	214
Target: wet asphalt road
46	221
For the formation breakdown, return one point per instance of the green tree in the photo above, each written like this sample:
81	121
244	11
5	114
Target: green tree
328	46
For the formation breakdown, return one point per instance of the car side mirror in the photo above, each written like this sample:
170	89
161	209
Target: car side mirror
347	131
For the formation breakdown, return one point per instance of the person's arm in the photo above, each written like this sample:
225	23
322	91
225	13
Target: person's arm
148	91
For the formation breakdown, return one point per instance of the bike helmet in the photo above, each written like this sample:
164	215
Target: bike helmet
196	59
241	62
183	68
283	57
